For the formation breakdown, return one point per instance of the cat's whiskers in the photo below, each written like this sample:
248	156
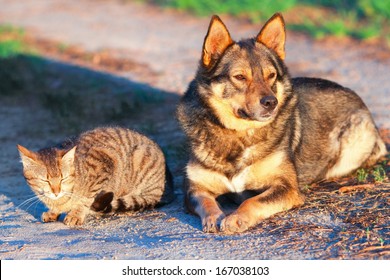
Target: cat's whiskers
34	203
32	200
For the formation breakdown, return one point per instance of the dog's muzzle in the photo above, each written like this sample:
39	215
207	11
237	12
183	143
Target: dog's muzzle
262	111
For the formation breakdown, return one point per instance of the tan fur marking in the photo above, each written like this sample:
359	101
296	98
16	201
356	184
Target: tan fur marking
207	179
266	74
207	205
218	89
208	210
280	94
224	110
297	131
264	170
254	211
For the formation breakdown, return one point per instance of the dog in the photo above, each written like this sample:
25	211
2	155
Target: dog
256	133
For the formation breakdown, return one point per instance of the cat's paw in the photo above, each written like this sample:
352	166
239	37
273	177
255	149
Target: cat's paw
49	217
234	223
71	220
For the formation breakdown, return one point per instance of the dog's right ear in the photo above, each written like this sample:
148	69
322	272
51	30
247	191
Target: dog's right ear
273	35
216	41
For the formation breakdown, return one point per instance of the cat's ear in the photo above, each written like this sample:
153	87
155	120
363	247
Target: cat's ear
28	157
68	157
216	41
67	162
273	35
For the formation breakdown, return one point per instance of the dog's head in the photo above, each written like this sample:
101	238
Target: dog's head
245	82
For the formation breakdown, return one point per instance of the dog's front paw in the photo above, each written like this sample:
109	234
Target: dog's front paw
49	217
72	220
210	223
234	223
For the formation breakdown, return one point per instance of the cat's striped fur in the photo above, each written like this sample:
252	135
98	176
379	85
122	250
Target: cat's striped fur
105	170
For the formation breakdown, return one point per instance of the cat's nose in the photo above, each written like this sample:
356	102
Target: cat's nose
56	190
55	185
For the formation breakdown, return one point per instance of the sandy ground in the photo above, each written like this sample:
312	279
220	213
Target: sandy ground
168	46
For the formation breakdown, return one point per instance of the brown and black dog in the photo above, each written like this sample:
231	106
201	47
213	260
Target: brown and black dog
256	132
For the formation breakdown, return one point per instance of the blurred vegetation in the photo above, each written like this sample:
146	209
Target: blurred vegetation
361	19
256	10
11	41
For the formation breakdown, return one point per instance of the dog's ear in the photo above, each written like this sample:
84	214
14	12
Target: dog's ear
273	35
216	41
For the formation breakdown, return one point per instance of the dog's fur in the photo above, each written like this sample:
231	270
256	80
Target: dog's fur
256	132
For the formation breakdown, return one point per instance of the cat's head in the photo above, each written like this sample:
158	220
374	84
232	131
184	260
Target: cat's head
49	172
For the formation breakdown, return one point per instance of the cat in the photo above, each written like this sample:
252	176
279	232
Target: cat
105	170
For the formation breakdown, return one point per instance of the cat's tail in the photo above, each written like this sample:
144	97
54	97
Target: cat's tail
105	202
102	202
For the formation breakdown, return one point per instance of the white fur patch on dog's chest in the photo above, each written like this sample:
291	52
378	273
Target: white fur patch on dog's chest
238	182
252	176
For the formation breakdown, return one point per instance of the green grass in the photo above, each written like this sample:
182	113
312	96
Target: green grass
10	48
332	27
379	174
338	28
361	19
361	175
10	41
362	8
255	10
376	174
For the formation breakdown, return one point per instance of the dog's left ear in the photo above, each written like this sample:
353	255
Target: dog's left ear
273	35
216	41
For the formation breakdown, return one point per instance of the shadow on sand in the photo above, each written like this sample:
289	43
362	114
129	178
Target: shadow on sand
45	101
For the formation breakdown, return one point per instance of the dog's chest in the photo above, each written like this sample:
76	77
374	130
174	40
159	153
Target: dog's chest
261	172
238	182
256	170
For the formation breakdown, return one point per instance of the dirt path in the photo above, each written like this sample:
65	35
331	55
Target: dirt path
167	45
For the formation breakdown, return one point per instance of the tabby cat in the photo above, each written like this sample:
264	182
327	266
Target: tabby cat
108	169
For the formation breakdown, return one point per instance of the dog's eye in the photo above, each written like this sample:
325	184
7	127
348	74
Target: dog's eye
240	77
271	76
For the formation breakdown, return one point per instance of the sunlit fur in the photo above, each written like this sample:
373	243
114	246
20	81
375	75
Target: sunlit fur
255	132
104	170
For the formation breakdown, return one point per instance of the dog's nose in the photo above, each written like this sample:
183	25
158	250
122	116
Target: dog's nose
269	102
